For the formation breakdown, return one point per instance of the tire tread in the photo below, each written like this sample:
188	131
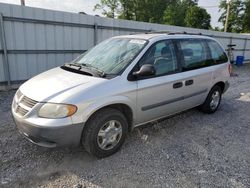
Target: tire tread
205	107
92	126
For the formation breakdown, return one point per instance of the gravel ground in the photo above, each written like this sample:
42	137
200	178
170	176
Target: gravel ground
191	149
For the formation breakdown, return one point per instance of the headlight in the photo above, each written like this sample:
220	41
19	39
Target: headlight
53	110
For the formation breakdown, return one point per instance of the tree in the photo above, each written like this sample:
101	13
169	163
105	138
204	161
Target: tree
110	8
235	20
171	12
173	17
139	10
127	10
217	29
156	10
176	11
197	17
246	17
144	10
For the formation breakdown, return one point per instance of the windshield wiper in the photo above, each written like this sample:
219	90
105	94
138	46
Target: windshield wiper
98	71
83	66
74	65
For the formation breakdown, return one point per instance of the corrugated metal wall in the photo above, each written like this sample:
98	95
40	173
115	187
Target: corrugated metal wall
38	39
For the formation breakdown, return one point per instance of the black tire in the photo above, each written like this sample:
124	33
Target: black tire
95	124
206	106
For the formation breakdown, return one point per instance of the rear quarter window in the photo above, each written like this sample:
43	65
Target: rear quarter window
195	54
217	53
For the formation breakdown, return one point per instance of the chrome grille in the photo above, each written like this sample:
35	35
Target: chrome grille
23	104
28	102
21	111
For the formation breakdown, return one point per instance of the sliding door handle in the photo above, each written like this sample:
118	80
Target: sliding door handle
189	82
177	85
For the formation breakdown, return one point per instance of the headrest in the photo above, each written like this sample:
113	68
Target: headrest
188	52
165	51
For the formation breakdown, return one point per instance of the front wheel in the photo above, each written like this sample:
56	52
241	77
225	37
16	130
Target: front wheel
105	133
212	101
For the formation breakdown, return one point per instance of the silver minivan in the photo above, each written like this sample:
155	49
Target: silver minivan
121	83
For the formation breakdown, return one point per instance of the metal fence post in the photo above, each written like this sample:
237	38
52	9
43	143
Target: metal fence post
230	40
95	34
245	45
5	53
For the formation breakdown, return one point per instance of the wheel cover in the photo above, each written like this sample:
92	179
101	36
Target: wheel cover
109	135
215	100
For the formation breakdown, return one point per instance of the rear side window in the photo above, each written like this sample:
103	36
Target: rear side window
217	53
195	54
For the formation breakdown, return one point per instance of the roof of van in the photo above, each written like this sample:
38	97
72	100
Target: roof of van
148	36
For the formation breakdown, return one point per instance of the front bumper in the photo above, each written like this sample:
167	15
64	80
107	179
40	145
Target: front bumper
65	135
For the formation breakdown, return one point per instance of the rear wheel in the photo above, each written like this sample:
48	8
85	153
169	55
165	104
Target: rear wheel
212	101
105	132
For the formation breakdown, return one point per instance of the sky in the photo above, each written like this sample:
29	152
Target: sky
88	5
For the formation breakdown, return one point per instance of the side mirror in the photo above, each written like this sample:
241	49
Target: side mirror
145	70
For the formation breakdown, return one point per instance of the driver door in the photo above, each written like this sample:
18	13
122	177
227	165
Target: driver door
159	95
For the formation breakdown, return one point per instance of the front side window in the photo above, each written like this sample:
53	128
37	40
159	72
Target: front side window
162	56
217	53
195	54
113	55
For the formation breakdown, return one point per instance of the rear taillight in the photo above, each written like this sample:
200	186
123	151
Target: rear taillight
230	69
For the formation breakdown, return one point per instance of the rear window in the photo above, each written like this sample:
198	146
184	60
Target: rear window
217	53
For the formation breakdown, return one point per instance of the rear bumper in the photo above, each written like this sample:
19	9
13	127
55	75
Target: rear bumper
66	135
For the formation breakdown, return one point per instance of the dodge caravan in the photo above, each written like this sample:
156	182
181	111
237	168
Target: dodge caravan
119	84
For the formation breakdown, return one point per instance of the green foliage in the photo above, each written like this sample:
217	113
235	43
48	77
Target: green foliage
128	11
172	12
109	7
143	10
157	10
246	17
236	13
197	17
186	13
175	14
216	29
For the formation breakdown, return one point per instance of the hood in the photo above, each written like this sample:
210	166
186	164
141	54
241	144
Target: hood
54	82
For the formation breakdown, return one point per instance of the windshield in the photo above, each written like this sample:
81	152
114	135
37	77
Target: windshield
113	55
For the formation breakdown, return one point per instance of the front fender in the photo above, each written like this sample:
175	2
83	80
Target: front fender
89	108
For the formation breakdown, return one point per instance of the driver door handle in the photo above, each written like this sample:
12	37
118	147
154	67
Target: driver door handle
189	82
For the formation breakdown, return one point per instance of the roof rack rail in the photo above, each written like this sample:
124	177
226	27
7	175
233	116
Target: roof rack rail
152	32
186	33
176	33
